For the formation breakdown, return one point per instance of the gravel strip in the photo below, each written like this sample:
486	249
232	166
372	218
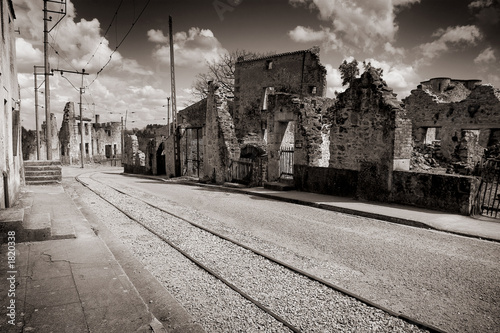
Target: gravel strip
306	304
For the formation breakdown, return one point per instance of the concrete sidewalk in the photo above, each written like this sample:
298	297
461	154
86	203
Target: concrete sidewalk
73	282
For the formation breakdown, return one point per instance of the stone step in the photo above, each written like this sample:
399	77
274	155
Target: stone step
48	181
41	163
42	168
11	219
29	173
37	227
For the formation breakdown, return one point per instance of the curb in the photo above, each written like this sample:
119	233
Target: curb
386	218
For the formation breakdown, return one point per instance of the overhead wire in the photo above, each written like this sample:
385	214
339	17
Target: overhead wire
121	42
115	16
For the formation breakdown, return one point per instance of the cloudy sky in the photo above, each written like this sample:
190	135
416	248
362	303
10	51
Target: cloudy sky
411	40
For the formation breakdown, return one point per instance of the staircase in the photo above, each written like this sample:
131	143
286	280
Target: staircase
42	172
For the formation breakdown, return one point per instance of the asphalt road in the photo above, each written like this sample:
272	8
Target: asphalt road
446	280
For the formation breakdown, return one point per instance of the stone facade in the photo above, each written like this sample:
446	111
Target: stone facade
102	141
297	73
462	115
369	130
11	163
221	142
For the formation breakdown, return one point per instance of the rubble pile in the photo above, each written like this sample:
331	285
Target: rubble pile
427	158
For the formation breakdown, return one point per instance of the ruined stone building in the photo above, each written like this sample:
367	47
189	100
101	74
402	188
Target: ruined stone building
11	163
278	126
299	73
102	141
461	116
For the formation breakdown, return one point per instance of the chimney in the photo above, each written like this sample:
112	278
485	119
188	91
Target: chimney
97	119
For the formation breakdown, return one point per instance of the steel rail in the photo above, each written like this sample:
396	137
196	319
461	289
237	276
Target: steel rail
408	319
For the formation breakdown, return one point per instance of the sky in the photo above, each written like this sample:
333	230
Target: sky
123	46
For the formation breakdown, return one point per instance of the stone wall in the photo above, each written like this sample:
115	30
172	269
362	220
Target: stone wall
309	138
295	73
11	163
449	193
338	182
368	132
133	158
106	141
221	143
459	108
70	137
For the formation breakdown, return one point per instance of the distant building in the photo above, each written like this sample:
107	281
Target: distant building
102	142
11	164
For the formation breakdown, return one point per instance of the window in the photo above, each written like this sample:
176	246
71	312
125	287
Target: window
86	129
269	64
267	92
312	90
432	134
86	148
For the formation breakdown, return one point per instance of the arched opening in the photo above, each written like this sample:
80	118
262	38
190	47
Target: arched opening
160	160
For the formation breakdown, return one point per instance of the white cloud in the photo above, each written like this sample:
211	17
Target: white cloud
400	77
79	44
157	36
468	35
303	34
487	56
389	48
27	56
356	25
193	48
480	4
333	81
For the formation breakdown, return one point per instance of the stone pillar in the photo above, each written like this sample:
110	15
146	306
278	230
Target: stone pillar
221	143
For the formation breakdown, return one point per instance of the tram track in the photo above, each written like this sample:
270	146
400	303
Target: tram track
409	324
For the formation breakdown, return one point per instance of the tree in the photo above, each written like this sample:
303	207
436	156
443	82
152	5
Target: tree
348	71
221	71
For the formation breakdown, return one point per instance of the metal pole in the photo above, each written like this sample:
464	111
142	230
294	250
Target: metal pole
172	73
48	123
123	140
81	128
168	115
37	125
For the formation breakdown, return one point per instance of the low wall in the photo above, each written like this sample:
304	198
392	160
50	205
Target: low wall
443	192
322	180
127	168
449	193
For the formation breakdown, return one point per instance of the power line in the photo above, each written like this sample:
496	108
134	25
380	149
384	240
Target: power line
115	16
121	42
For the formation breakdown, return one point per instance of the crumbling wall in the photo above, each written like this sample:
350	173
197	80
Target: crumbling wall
471	107
133	158
310	139
221	143
295	73
106	141
367	124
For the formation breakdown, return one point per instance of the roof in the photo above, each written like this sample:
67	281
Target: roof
313	50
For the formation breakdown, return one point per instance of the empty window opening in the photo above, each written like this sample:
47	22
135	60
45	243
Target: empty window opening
432	134
269	64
